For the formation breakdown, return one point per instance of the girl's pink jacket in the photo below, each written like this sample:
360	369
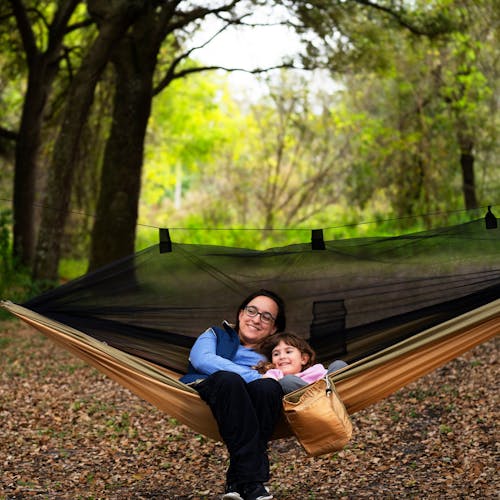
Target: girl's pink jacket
309	375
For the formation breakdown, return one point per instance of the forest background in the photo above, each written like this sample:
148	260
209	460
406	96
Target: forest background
112	125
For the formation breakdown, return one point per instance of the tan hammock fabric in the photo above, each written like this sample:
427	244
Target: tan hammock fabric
359	385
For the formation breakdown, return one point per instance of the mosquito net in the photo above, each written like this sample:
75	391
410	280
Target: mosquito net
349	298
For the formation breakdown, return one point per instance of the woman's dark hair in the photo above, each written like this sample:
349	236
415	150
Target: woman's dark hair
279	322
301	344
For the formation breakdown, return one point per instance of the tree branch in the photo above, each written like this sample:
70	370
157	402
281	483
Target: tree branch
27	35
402	19
199	14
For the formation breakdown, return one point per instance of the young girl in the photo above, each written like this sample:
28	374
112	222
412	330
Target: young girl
292	362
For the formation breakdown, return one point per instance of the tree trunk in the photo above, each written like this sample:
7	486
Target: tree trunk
113	235
25	172
468	179
56	203
42	69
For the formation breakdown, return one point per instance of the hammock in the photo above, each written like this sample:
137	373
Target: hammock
395	308
359	385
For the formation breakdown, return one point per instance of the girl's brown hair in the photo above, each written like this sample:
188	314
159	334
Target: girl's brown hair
267	346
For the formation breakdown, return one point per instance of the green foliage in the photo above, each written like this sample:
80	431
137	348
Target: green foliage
4	342
72	268
276	168
186	127
16	284
365	158
414	119
383	147
335	222
445	429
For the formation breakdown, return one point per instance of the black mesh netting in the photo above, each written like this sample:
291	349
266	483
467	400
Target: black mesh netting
351	299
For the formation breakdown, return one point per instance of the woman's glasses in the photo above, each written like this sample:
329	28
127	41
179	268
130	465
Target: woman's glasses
265	317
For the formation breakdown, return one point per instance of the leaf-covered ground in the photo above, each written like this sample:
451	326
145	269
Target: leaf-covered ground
68	432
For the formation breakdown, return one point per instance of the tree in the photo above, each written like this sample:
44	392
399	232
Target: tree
191	121
466	91
113	21
285	165
161	19
133	59
300	165
157	29
43	63
109	235
426	105
168	22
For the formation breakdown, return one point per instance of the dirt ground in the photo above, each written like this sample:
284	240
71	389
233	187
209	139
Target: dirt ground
68	432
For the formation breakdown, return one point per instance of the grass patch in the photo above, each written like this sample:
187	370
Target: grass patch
4	342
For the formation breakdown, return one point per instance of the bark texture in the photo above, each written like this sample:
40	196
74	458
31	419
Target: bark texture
61	174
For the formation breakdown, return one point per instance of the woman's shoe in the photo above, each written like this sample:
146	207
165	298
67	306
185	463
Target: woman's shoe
255	491
232	492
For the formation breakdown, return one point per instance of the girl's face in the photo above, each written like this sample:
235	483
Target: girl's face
288	359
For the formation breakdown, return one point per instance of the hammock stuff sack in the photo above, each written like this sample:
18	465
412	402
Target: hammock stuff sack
318	418
394	308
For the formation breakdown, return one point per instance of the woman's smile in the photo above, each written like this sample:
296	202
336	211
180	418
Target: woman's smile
256	321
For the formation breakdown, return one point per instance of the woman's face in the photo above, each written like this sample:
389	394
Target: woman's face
256	321
288	359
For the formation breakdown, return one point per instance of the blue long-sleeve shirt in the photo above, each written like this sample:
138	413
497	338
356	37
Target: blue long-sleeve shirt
204	359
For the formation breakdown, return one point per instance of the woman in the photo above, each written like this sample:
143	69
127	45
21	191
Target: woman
245	405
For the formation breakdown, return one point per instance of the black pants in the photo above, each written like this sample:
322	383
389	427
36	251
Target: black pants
246	415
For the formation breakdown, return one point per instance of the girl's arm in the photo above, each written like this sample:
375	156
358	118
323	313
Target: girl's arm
274	373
